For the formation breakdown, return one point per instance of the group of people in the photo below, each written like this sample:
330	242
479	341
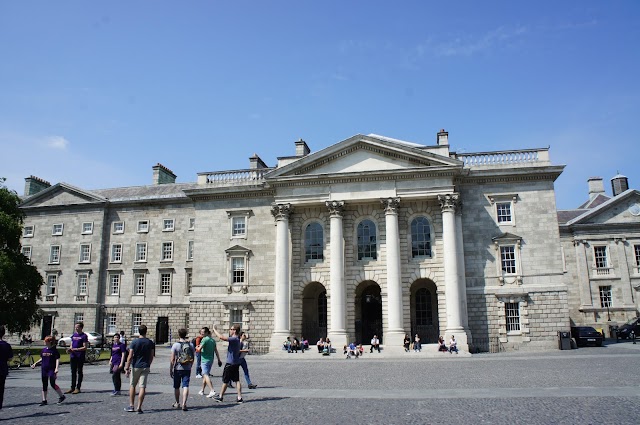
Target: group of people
324	346
409	345
353	350
295	344
453	345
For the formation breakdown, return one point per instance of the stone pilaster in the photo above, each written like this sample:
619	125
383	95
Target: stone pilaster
282	302
583	272
625	276
338	293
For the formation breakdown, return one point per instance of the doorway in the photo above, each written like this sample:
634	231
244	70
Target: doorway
314	312
424	311
162	330
368	312
47	325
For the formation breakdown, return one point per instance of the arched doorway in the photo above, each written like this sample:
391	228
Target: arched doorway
314	312
368	312
424	311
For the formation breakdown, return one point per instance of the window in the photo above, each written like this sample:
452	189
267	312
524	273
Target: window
118	227
165	283
28	231
236	317
605	296
78	317
512	314
322	309
52	284
111	323
313	242
503	212
508	259
26	251
87	228
83	279
237	270
141	251
57	230
424	312
85	253
190	251
114	284
54	254
143	226
601	260
136	321
636	249
367	248
139	283
192	224
167	225
189	282
420	237
239	226
116	253
167	251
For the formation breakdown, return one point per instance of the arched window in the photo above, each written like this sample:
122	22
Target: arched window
367	248
424	315
313	242
420	237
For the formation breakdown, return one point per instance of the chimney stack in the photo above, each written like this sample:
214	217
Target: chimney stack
33	185
596	187
255	162
443	138
163	175
301	148
619	184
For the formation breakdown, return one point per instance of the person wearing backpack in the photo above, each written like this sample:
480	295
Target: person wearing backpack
182	355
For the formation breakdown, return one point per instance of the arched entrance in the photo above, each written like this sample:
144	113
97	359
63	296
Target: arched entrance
424	311
368	312
314	312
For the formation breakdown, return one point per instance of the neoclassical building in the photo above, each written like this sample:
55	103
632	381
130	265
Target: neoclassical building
371	235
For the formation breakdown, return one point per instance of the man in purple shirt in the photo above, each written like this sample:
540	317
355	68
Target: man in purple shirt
6	353
77	351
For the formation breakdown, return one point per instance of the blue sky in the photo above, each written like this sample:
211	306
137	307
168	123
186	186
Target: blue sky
96	93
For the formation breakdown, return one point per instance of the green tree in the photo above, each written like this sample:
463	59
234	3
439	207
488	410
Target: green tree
20	282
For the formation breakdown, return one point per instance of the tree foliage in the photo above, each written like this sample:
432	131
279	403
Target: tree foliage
20	282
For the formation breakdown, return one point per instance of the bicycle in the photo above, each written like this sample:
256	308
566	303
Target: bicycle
24	358
93	355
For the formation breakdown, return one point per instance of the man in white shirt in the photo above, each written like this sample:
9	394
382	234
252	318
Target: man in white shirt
375	344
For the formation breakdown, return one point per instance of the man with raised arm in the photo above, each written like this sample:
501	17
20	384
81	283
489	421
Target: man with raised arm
231	370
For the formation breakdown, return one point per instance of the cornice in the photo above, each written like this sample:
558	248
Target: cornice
214	196
525	174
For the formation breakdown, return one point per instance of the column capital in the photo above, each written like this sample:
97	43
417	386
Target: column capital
336	208
391	205
449	202
281	211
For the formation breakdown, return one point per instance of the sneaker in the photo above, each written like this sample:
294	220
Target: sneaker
115	393
240	401
201	392
43	403
139	412
176	405
69	391
184	408
217	398
199	376
253	387
212	394
61	399
76	391
129	409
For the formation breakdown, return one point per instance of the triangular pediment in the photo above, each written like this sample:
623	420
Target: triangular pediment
621	209
507	237
365	154
62	194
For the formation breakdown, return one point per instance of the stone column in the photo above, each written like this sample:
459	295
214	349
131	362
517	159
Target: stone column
394	334
461	270
338	293
583	273
625	275
282	301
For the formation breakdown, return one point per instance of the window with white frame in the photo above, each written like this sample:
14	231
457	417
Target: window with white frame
116	253
167	251
237	270
367	243
605	296
114	284
118	227
503	212
83	280
87	228
636	249
508	259
136	322
236	317
54	254
111	324
139	280
189	277
512	314
239	226
601	259
192	223
190	251
85	253
165	283
57	229
141	251
143	226
28	231
420	237
78	317
26	251
52	284
313	242
168	225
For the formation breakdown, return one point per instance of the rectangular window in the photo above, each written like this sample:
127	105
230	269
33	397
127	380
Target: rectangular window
54	254
512	313
236	317
165	283
192	224
167	225
57	230
601	260
83	279
239	226
237	268
605	296
26	251
143	226
140	281
503	212
189	282
190	251
52	284
85	253
116	253
636	248
111	323
28	231
118	227
78	317
87	228
114	284
136	321
167	251
141	251
508	259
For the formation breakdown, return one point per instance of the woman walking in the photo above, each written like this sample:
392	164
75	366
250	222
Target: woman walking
116	363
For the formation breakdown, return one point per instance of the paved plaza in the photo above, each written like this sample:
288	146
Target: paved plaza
585	386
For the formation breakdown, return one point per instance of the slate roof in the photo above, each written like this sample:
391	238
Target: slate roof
566	215
597	201
139	193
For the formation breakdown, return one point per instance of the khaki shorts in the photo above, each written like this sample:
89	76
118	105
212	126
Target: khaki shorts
139	376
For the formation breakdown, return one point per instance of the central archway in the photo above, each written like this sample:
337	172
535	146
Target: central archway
424	311
314	312
368	312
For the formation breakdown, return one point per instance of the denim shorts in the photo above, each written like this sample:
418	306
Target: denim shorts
181	378
206	367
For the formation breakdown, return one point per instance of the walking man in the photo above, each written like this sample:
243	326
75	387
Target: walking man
141	353
182	355
207	350
77	352
232	367
244	350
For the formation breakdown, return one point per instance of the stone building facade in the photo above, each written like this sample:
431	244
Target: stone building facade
371	235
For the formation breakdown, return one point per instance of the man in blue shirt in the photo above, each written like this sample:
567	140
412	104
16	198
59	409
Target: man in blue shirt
141	352
231	370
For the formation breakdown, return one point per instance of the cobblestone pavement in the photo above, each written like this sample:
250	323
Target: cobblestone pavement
584	386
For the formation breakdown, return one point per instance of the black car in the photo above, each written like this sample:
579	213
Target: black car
585	335
624	331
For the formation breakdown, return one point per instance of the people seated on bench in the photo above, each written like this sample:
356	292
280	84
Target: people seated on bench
416	344
304	344
295	345
453	345
352	350
407	343
287	344
375	344
320	345
326	348
441	345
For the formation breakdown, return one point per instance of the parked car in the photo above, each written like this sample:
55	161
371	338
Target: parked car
624	331
585	335
94	339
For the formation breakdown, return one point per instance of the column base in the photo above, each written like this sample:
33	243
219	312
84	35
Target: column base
338	339
277	340
393	339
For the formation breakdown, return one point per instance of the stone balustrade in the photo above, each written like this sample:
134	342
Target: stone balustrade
234	177
525	156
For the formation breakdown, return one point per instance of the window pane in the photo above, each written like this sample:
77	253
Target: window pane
424	312
111	323
512	313
139	279
504	212
165	283
167	251
239	226
115	284
367	248
605	296
82	284
313	242
508	259
237	266
420	237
